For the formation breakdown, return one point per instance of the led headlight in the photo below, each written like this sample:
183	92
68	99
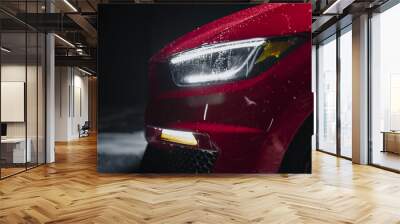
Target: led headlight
227	61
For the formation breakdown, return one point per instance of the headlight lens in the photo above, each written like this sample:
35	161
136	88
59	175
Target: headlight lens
228	61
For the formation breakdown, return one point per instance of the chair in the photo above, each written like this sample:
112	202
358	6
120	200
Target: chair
84	130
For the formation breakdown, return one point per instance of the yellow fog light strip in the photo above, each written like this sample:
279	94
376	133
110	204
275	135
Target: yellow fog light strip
274	49
181	137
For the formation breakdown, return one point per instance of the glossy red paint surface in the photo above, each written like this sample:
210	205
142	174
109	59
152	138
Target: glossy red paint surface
252	121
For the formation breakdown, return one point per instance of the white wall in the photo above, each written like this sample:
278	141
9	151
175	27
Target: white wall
71	94
16	73
80	89
13	101
62	82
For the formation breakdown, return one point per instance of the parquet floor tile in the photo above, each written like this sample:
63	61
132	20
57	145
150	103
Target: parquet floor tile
71	191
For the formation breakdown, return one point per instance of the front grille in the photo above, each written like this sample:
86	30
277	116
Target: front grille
178	160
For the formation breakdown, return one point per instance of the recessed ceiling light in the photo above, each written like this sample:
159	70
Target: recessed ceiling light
84	71
5	50
64	40
70	5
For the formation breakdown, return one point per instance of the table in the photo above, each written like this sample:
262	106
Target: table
13	150
391	141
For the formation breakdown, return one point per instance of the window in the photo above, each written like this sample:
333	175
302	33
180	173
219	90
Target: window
385	89
22	77
327	96
346	93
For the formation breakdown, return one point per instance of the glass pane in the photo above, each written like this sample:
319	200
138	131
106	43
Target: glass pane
327	96
31	97
314	78
31	85
385	84
41	98
346	94
13	86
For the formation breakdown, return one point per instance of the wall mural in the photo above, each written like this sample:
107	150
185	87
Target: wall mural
205	88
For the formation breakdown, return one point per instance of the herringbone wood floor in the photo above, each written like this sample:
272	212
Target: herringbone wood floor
71	191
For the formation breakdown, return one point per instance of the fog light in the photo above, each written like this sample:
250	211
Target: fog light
181	137
158	136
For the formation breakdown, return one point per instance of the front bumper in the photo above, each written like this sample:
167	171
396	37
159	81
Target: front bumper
178	159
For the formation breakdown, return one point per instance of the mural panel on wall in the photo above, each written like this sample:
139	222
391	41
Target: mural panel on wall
205	88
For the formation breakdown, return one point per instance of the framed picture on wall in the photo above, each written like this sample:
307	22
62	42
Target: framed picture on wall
215	88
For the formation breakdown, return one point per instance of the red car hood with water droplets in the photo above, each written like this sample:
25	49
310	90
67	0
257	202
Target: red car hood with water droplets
265	20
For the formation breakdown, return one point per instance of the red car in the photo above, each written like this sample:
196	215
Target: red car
234	95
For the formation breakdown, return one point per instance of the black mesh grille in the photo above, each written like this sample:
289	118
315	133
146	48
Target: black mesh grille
178	160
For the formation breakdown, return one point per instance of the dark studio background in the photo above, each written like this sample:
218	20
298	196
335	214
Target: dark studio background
128	36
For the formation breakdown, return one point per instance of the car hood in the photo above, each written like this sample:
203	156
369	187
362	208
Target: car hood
263	20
